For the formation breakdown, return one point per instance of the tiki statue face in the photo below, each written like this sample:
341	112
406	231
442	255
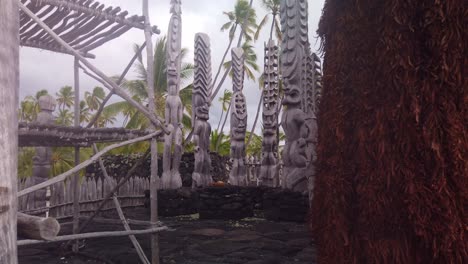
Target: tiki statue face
292	94
238	116
202	107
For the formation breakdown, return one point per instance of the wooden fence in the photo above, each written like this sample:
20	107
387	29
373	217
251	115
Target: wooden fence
59	198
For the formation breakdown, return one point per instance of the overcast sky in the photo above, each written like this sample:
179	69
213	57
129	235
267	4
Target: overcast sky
47	70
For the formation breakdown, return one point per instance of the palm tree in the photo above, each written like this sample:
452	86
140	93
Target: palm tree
65	97
94	99
137	88
250	62
220	143
29	107
85	112
224	100
245	16
64	117
273	7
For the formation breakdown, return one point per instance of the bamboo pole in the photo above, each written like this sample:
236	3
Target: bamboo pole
158	122
84	164
9	84
76	177
92	235
134	241
154	148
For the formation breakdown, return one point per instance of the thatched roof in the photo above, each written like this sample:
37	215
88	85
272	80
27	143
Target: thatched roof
84	24
33	135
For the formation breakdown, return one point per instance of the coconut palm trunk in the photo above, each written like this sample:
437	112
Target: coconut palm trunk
9	85
224	123
226	72
391	183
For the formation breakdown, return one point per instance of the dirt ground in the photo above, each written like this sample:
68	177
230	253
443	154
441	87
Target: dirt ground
192	241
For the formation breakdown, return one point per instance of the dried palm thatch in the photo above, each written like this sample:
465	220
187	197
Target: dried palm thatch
392	179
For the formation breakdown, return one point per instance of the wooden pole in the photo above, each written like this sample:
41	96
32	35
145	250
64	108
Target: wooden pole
76	178
154	181
35	227
9	86
91	235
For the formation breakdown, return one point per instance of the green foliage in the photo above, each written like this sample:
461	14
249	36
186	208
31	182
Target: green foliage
25	161
243	15
250	62
224	147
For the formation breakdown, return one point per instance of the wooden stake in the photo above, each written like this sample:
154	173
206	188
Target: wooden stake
154	147
9	85
76	178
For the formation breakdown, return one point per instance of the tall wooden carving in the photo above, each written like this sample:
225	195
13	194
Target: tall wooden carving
171	178
297	121
42	159
238	172
9	85
269	160
200	103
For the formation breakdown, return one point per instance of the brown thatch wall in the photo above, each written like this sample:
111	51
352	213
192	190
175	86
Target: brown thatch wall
392	180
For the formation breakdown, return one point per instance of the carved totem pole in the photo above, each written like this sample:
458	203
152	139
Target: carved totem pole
42	159
238	173
298	123
200	103
171	178
269	170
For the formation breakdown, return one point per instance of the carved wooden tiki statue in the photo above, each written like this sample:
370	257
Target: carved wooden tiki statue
238	172
200	103
296	120
269	160
171	178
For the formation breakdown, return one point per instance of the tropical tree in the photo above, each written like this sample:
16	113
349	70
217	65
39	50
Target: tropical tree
220	143
225	100
137	89
272	7
245	17
29	107
85	112
94	99
65	97
64	117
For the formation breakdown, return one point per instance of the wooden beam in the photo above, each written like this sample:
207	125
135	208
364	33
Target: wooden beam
84	164
9	86
92	12
35	227
93	235
40	45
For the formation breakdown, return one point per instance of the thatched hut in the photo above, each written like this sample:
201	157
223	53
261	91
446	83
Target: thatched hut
392	179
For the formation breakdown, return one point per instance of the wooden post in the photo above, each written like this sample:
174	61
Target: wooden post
76	178
9	84
154	147
35	227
